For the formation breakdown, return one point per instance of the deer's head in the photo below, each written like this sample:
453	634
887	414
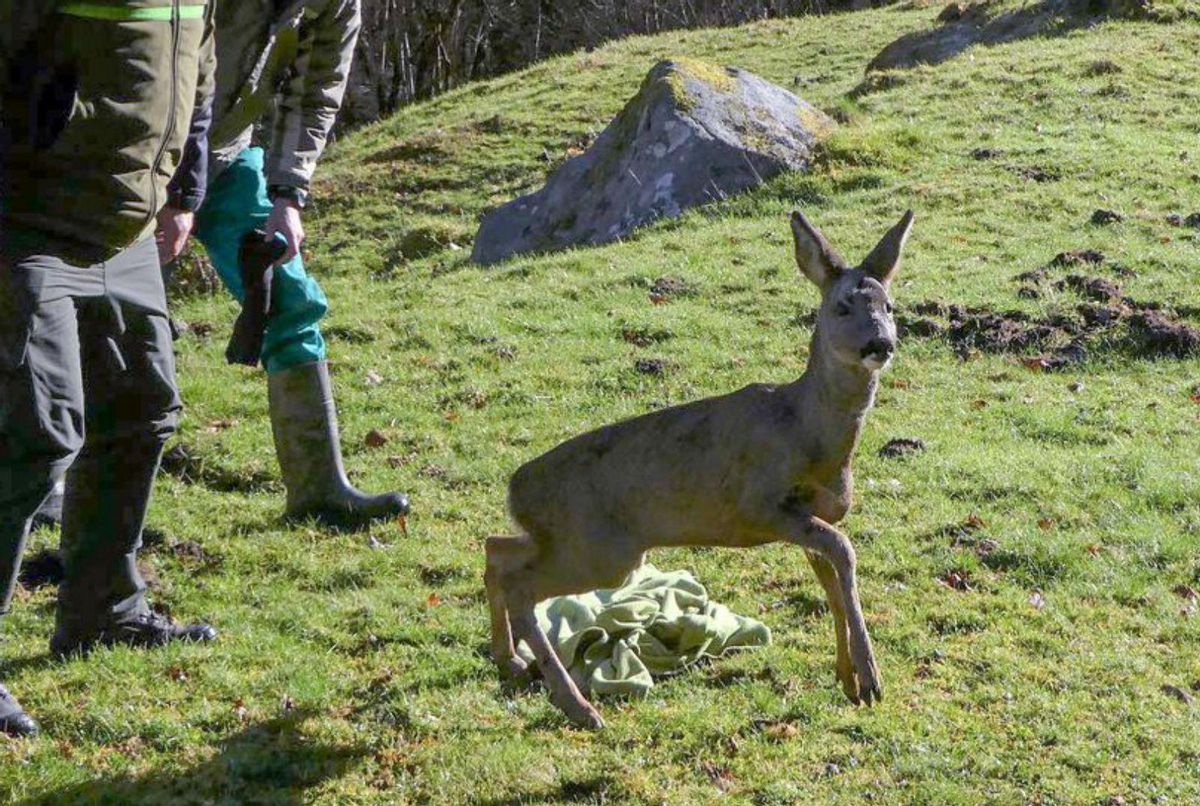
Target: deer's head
855	318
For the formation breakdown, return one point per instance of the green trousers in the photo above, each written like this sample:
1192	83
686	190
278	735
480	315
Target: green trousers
235	204
87	387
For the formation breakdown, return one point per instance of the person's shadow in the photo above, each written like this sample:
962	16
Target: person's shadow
267	762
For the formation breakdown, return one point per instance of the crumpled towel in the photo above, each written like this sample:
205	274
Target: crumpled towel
657	622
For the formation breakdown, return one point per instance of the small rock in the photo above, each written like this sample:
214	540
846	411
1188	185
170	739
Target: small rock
1105	217
831	770
375	439
1075	386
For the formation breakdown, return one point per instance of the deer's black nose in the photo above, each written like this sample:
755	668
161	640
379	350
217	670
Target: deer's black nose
880	347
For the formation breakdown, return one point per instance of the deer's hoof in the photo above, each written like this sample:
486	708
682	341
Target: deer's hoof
580	713
588	720
871	695
870	691
515	674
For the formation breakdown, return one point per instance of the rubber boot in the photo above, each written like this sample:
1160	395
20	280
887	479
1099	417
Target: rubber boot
304	424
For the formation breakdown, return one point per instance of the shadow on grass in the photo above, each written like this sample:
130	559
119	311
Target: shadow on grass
268	762
594	789
977	26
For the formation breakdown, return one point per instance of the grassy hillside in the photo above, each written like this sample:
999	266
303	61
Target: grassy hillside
1028	579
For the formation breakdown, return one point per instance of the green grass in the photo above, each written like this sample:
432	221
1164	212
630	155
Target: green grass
352	674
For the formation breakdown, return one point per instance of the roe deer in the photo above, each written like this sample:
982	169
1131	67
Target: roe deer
759	465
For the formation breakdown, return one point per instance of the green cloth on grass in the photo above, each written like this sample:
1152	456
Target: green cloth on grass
657	622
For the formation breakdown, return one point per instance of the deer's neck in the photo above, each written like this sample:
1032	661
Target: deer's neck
835	399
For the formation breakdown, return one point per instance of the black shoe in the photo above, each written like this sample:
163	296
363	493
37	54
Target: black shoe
147	630
13	719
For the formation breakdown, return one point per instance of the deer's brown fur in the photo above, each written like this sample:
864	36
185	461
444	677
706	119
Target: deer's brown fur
762	464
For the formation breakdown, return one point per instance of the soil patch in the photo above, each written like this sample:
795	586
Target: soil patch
189	552
651	366
668	288
1104	320
1036	173
901	446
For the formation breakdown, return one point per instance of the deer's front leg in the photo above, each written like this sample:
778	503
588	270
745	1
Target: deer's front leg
833	595
817	536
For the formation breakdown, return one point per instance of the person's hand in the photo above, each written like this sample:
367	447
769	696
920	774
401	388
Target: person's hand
174	229
285	220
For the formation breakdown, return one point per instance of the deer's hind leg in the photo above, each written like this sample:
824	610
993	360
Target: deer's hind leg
527	577
503	551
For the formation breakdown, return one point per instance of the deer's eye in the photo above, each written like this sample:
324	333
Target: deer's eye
843	309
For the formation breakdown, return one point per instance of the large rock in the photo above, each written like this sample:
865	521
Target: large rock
694	133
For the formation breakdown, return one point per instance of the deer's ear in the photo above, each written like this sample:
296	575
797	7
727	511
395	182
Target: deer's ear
884	260
816	258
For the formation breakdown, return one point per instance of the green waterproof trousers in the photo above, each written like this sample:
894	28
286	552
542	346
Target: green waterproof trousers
235	204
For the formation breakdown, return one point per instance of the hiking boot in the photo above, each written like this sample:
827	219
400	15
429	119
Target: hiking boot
304	424
13	719
147	630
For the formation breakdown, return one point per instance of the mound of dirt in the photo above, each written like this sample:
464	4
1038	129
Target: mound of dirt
1106	321
901	446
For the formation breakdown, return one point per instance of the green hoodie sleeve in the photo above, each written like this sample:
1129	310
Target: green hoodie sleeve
310	101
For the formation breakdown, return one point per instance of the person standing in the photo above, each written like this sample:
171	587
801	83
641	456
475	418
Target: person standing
95	103
289	61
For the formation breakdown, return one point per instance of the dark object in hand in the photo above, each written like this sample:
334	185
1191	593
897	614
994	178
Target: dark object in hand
256	259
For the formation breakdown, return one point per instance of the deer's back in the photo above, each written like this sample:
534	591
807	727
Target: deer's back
676	473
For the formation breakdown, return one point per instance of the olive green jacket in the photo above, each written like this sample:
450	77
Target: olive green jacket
95	103
303	50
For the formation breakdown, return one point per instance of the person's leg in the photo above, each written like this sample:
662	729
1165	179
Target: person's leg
131	409
303	414
41	420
